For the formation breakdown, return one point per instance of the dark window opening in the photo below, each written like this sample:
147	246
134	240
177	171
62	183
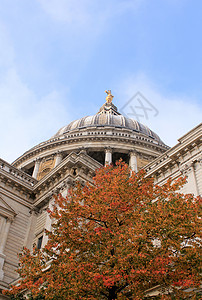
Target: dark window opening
98	155
116	156
39	243
29	171
74	172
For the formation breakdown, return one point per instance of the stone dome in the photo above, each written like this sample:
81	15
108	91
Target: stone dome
108	131
108	116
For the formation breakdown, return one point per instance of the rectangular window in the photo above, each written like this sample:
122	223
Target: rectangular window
39	243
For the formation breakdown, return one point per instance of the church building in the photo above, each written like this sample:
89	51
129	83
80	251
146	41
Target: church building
74	153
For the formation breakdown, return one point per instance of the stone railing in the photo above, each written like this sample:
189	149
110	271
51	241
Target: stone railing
6	167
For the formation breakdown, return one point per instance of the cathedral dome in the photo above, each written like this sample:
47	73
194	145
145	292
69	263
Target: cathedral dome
108	116
107	130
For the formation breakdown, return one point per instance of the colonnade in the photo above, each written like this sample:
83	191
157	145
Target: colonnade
132	159
108	160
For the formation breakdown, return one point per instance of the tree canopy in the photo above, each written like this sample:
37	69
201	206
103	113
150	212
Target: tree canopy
120	238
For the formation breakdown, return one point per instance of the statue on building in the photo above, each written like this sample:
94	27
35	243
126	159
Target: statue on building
109	96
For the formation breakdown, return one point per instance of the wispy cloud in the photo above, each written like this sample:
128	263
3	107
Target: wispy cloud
7	54
26	119
64	48
177	113
67	11
87	12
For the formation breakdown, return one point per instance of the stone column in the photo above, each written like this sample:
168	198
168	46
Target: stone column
1	224
191	185
36	168
133	161
58	158
48	224
30	229
108	156
2	259
196	190
4	233
5	225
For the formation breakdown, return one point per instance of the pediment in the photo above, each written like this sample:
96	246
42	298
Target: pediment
76	166
73	160
82	159
6	210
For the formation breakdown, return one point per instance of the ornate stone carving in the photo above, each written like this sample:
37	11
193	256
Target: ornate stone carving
186	168
109	97
45	167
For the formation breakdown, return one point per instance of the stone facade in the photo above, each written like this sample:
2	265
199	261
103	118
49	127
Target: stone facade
74	153
184	159
16	202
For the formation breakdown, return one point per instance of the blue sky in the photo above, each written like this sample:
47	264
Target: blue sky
57	57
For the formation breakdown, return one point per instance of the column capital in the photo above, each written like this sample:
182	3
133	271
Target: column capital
83	150
2	255
187	168
108	149
34	211
133	152
59	152
37	160
10	218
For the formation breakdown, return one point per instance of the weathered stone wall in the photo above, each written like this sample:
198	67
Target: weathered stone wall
184	159
13	232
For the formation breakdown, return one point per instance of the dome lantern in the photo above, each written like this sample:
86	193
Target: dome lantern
108	106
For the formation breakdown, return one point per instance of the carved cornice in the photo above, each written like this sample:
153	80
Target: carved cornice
98	134
177	154
16	176
70	169
189	165
6	211
186	168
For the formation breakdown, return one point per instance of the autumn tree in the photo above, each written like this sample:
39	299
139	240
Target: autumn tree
117	239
